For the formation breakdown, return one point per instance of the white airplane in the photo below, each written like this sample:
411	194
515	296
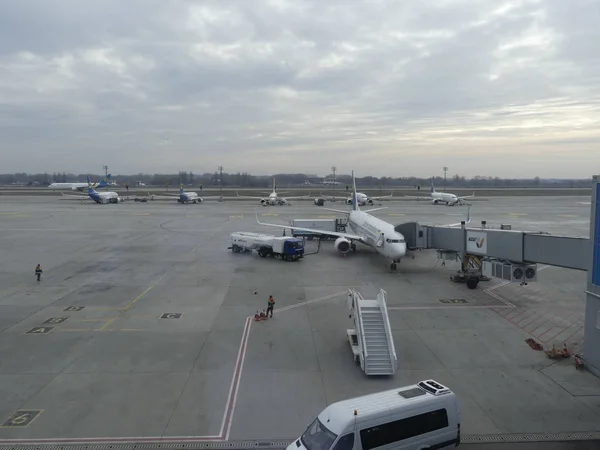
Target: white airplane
362	199
370	230
273	198
444	197
103	197
79	186
183	197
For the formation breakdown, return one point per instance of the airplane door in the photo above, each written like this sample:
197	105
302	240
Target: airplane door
380	240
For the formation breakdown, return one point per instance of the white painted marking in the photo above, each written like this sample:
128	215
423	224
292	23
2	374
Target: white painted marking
401	308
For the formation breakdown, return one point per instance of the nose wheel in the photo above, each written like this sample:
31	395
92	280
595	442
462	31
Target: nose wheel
393	266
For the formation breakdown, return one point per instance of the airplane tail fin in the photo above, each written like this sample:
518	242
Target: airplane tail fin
432	186
104	182
354	197
90	188
274	184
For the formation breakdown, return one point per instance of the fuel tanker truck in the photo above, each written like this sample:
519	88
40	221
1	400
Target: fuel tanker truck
286	248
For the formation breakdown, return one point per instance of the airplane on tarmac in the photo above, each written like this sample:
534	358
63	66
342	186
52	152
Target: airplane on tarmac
362	199
370	230
80	186
102	197
444	197
273	198
182	197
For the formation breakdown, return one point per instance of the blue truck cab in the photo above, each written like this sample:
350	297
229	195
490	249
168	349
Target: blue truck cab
293	248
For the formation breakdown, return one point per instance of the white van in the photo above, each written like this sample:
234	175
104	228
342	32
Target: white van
421	416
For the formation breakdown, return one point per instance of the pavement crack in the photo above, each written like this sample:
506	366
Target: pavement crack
187	380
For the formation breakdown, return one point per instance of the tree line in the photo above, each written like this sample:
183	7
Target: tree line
245	180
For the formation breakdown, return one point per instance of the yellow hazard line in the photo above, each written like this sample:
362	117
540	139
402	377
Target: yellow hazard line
132	303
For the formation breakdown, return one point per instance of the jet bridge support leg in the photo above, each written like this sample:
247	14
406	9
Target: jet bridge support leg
470	271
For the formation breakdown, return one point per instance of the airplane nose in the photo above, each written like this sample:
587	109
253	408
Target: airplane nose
401	251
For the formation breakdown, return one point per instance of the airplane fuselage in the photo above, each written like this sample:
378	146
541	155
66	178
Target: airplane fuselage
272	199
71	186
361	199
378	234
189	197
105	197
443	197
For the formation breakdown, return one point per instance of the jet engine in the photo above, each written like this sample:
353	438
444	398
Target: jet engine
342	245
263	201
319	201
370	202
348	201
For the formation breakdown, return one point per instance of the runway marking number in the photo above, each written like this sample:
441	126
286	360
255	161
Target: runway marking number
452	301
73	308
171	316
40	330
22	418
56	320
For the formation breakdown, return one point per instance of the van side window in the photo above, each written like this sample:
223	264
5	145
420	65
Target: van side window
345	443
399	430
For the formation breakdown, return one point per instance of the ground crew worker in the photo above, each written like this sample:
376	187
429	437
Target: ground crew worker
38	271
270	305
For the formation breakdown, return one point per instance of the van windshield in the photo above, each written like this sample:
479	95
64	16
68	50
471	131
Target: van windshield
317	437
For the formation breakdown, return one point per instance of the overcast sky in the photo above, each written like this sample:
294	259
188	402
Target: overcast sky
394	88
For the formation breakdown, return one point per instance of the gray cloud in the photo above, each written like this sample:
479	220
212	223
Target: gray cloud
507	88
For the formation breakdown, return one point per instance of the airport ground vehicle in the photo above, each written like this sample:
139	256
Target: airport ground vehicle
335	225
287	248
423	415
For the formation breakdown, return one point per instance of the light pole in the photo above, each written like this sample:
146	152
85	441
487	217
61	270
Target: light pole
445	170
333	170
220	168
105	176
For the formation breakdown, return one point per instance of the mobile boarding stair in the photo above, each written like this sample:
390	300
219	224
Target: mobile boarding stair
371	340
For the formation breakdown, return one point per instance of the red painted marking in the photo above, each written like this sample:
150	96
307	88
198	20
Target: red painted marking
523	311
561	332
534	312
544	322
546	332
563	327
573	334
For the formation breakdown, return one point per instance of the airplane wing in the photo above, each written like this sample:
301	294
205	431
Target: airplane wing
75	196
467	196
418	197
349	236
382	197
467	221
300	196
249	196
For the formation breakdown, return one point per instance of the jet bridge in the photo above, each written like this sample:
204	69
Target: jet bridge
513	255
497	253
